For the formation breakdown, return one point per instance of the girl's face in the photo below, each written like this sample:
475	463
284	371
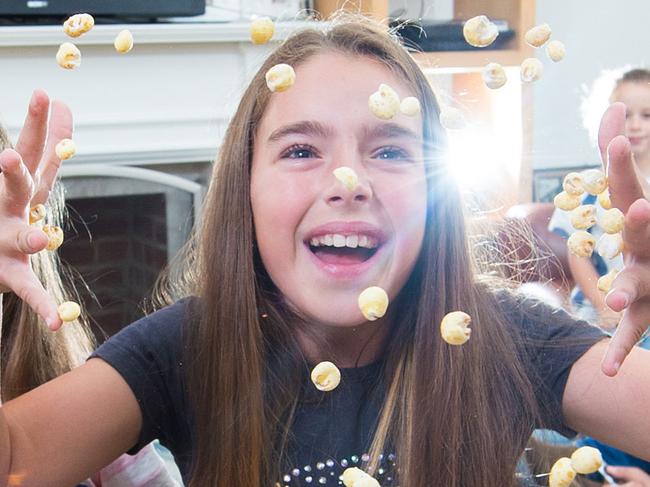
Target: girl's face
636	96
321	243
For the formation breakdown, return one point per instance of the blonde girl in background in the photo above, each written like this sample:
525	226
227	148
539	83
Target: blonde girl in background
31	355
222	375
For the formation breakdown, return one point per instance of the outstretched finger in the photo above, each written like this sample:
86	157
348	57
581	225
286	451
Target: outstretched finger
612	124
16	182
630	285
60	128
32	137
625	185
628	333
28	288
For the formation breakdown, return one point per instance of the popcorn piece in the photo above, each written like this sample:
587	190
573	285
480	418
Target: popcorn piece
68	56
78	24
262	30
65	149
555	51
123	41
610	245
326	376
583	217
604	199
410	106
69	311
347	176
452	118
612	221
581	243
586	459
454	327
605	282
355	477
594	181
479	31
566	201
531	70
494	76
280	77
373	303
37	213
538	35
54	235
384	102
572	184
562	473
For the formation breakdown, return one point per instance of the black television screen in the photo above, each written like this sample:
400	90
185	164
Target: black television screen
108	8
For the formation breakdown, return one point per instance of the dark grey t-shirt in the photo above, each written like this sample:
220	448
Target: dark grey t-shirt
330	431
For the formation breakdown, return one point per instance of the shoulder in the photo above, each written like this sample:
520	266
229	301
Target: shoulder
537	320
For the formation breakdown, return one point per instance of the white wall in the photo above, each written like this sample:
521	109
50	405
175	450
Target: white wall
599	34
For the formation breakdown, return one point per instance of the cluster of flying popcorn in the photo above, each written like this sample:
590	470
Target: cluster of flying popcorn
583	217
68	311
386	104
69	56
584	460
479	31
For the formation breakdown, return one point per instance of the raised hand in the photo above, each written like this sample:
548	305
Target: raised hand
26	178
629	192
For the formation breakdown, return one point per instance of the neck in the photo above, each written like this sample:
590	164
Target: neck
347	346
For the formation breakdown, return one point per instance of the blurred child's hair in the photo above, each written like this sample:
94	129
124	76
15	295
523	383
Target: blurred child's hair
30	354
457	416
596	98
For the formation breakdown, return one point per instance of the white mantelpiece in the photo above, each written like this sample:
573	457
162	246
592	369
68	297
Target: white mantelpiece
168	100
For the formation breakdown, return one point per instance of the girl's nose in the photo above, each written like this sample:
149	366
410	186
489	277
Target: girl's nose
338	194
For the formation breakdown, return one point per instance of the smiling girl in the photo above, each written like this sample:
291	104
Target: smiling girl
283	251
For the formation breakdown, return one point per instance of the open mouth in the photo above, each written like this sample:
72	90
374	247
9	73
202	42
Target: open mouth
340	249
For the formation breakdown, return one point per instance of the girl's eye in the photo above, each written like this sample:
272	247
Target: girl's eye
392	153
299	152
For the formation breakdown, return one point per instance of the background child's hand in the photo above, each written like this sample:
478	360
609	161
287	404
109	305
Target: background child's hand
608	319
26	178
629	192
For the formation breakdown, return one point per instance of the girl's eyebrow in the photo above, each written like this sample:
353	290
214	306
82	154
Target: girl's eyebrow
305	127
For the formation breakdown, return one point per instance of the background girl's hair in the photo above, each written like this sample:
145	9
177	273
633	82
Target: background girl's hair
30	354
595	97
245	366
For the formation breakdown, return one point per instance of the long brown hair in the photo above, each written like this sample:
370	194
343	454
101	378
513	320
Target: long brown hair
30	354
457	416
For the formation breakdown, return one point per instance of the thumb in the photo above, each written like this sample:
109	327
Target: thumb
634	474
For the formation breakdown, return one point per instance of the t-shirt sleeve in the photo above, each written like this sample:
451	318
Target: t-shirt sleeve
552	341
148	355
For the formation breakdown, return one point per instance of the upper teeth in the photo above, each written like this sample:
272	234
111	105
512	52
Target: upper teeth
337	240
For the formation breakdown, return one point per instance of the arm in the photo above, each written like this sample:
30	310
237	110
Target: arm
63	431
611	409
